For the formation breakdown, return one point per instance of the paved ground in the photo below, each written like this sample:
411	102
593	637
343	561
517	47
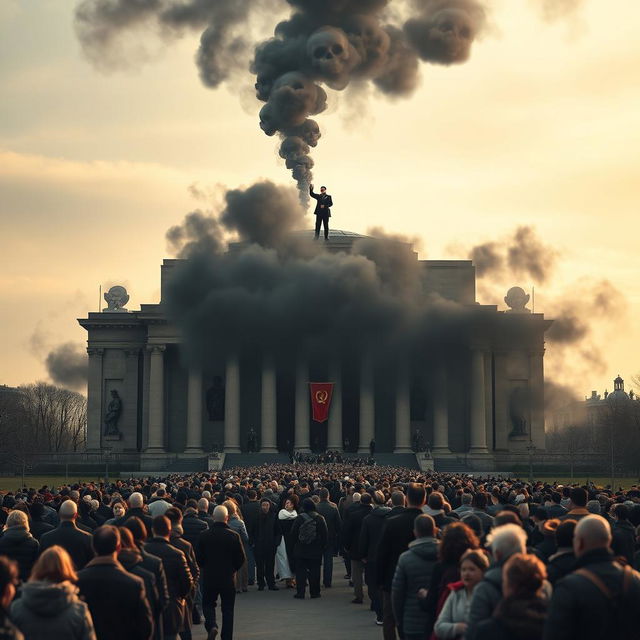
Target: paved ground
275	615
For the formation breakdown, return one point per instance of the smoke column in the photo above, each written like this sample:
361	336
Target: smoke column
68	366
323	43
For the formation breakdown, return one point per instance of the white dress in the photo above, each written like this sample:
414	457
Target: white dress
283	570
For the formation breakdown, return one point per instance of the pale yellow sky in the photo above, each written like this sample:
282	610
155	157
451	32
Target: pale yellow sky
541	127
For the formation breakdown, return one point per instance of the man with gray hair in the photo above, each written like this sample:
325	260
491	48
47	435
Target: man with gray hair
503	541
136	508
600	598
220	554
76	542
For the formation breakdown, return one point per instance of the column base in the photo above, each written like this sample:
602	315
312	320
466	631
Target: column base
303	449
193	451
335	447
155	451
403	450
269	450
362	450
232	450
440	452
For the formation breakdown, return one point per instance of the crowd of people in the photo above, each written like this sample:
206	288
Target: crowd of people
331	457
435	556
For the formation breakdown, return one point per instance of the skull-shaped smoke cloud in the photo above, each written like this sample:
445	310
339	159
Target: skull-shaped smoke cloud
323	42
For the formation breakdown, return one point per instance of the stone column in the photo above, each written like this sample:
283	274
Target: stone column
269	438
194	412
301	438
440	413
155	443
334	430
367	405
536	386
94	399
478	413
403	409
232	406
129	424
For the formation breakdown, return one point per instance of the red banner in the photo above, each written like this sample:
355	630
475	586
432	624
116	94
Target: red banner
321	393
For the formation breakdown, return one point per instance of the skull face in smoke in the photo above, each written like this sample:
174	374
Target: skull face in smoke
332	56
292	99
370	41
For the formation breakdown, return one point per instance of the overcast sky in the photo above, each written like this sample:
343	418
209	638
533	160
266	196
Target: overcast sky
541	128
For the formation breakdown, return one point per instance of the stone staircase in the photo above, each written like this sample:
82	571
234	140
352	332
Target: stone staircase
254	459
451	465
187	465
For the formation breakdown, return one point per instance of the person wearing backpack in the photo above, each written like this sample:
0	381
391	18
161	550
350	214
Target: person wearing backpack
600	598
309	532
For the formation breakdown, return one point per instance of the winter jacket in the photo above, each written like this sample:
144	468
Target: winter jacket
455	610
39	528
623	541
76	542
19	545
514	619
413	572
220	554
47	610
370	533
580	610
351	529
329	511
8	631
192	527
312	550
560	564
488	594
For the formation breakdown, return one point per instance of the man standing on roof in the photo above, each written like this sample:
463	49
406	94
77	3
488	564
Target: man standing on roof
323	210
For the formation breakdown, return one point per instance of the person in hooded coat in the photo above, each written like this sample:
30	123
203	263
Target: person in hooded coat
522	612
18	544
413	572
49	606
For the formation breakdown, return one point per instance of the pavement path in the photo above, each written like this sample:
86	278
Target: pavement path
276	615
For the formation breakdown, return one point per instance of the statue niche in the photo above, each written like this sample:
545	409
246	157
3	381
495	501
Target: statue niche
112	415
215	400
519	410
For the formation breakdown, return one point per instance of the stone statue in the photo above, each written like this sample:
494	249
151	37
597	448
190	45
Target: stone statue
215	400
517	299
114	410
116	298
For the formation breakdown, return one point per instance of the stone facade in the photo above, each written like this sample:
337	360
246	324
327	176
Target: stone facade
478	398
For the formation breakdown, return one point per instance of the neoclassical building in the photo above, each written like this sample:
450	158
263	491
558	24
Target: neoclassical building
481	397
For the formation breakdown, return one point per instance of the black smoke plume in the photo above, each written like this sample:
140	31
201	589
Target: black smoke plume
522	254
67	365
267	292
332	43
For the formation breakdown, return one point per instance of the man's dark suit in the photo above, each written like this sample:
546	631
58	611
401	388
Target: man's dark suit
322	211
77	543
220	553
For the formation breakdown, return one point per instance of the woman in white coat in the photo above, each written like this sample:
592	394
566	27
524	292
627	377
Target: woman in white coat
452	621
286	518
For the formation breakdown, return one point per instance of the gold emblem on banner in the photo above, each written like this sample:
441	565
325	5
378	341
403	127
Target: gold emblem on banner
322	396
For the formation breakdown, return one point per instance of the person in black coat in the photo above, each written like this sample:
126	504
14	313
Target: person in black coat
192	525
250	510
563	560
154	565
308	553
8	582
38	525
136	509
131	559
521	613
623	542
351	542
264	537
18	544
322	211
397	533
329	511
117	599
176	570
579	607
220	554
76	543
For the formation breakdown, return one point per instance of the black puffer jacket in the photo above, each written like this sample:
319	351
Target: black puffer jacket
47	610
19	545
514	619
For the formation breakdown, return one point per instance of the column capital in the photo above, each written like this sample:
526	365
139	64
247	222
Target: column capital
156	348
93	352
